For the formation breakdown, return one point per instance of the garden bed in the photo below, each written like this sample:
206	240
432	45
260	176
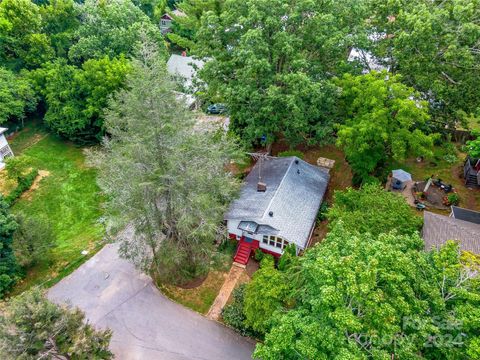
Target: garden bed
433	198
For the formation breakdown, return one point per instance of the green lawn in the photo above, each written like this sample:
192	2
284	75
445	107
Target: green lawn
68	196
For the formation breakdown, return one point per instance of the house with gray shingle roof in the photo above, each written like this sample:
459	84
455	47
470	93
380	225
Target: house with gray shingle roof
278	206
438	229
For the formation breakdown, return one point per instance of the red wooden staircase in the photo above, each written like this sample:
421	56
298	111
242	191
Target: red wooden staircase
243	252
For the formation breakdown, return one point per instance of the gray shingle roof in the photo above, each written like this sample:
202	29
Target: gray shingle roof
295	190
437	229
466	214
184	67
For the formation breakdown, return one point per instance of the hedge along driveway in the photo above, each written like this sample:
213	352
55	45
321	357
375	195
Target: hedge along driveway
68	197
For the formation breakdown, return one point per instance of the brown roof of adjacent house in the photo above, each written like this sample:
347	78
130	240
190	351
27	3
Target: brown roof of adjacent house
437	229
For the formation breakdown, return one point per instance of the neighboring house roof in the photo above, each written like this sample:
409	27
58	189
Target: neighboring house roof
465	214
178	13
183	66
295	190
437	229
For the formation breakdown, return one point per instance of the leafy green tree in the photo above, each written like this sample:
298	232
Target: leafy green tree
264	295
434	45
366	297
233	314
8	263
31	327
22	42
374	210
270	61
473	146
166	182
75	97
185	26
152	8
383	121
112	28
33	241
60	22
17	96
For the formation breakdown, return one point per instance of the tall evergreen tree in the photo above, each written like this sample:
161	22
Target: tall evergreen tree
165	180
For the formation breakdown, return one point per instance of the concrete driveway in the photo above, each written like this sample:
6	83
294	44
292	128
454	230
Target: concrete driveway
145	324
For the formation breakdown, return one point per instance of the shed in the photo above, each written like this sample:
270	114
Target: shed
400	178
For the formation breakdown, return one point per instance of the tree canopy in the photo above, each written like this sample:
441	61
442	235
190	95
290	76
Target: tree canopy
111	28
269	60
384	120
367	297
374	210
8	263
434	45
76	97
17	96
31	327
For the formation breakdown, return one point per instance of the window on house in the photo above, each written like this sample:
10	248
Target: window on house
274	241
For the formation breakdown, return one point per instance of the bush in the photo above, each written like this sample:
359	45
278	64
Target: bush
233	314
33	240
259	254
288	153
452	199
288	259
23	184
322	212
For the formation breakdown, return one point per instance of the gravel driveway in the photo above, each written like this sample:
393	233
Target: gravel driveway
146	325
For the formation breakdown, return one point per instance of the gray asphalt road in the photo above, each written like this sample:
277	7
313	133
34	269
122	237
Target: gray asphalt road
145	324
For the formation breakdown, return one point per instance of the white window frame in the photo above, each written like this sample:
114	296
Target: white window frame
275	241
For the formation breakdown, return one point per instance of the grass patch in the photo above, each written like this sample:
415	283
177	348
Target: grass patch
200	298
68	197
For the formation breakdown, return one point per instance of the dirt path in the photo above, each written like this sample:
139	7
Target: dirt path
224	293
36	183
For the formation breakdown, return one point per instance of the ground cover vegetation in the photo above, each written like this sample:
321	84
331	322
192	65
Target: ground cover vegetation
57	211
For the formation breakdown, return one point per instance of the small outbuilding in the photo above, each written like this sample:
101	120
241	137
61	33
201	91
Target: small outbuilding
400	179
5	150
278	206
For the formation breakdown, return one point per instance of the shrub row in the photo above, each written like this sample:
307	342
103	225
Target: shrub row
23	184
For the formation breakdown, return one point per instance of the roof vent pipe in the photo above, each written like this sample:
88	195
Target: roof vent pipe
270	213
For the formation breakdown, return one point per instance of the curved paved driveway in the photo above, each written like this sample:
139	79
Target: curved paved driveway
145	324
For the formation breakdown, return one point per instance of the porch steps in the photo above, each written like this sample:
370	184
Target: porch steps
243	253
471	180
